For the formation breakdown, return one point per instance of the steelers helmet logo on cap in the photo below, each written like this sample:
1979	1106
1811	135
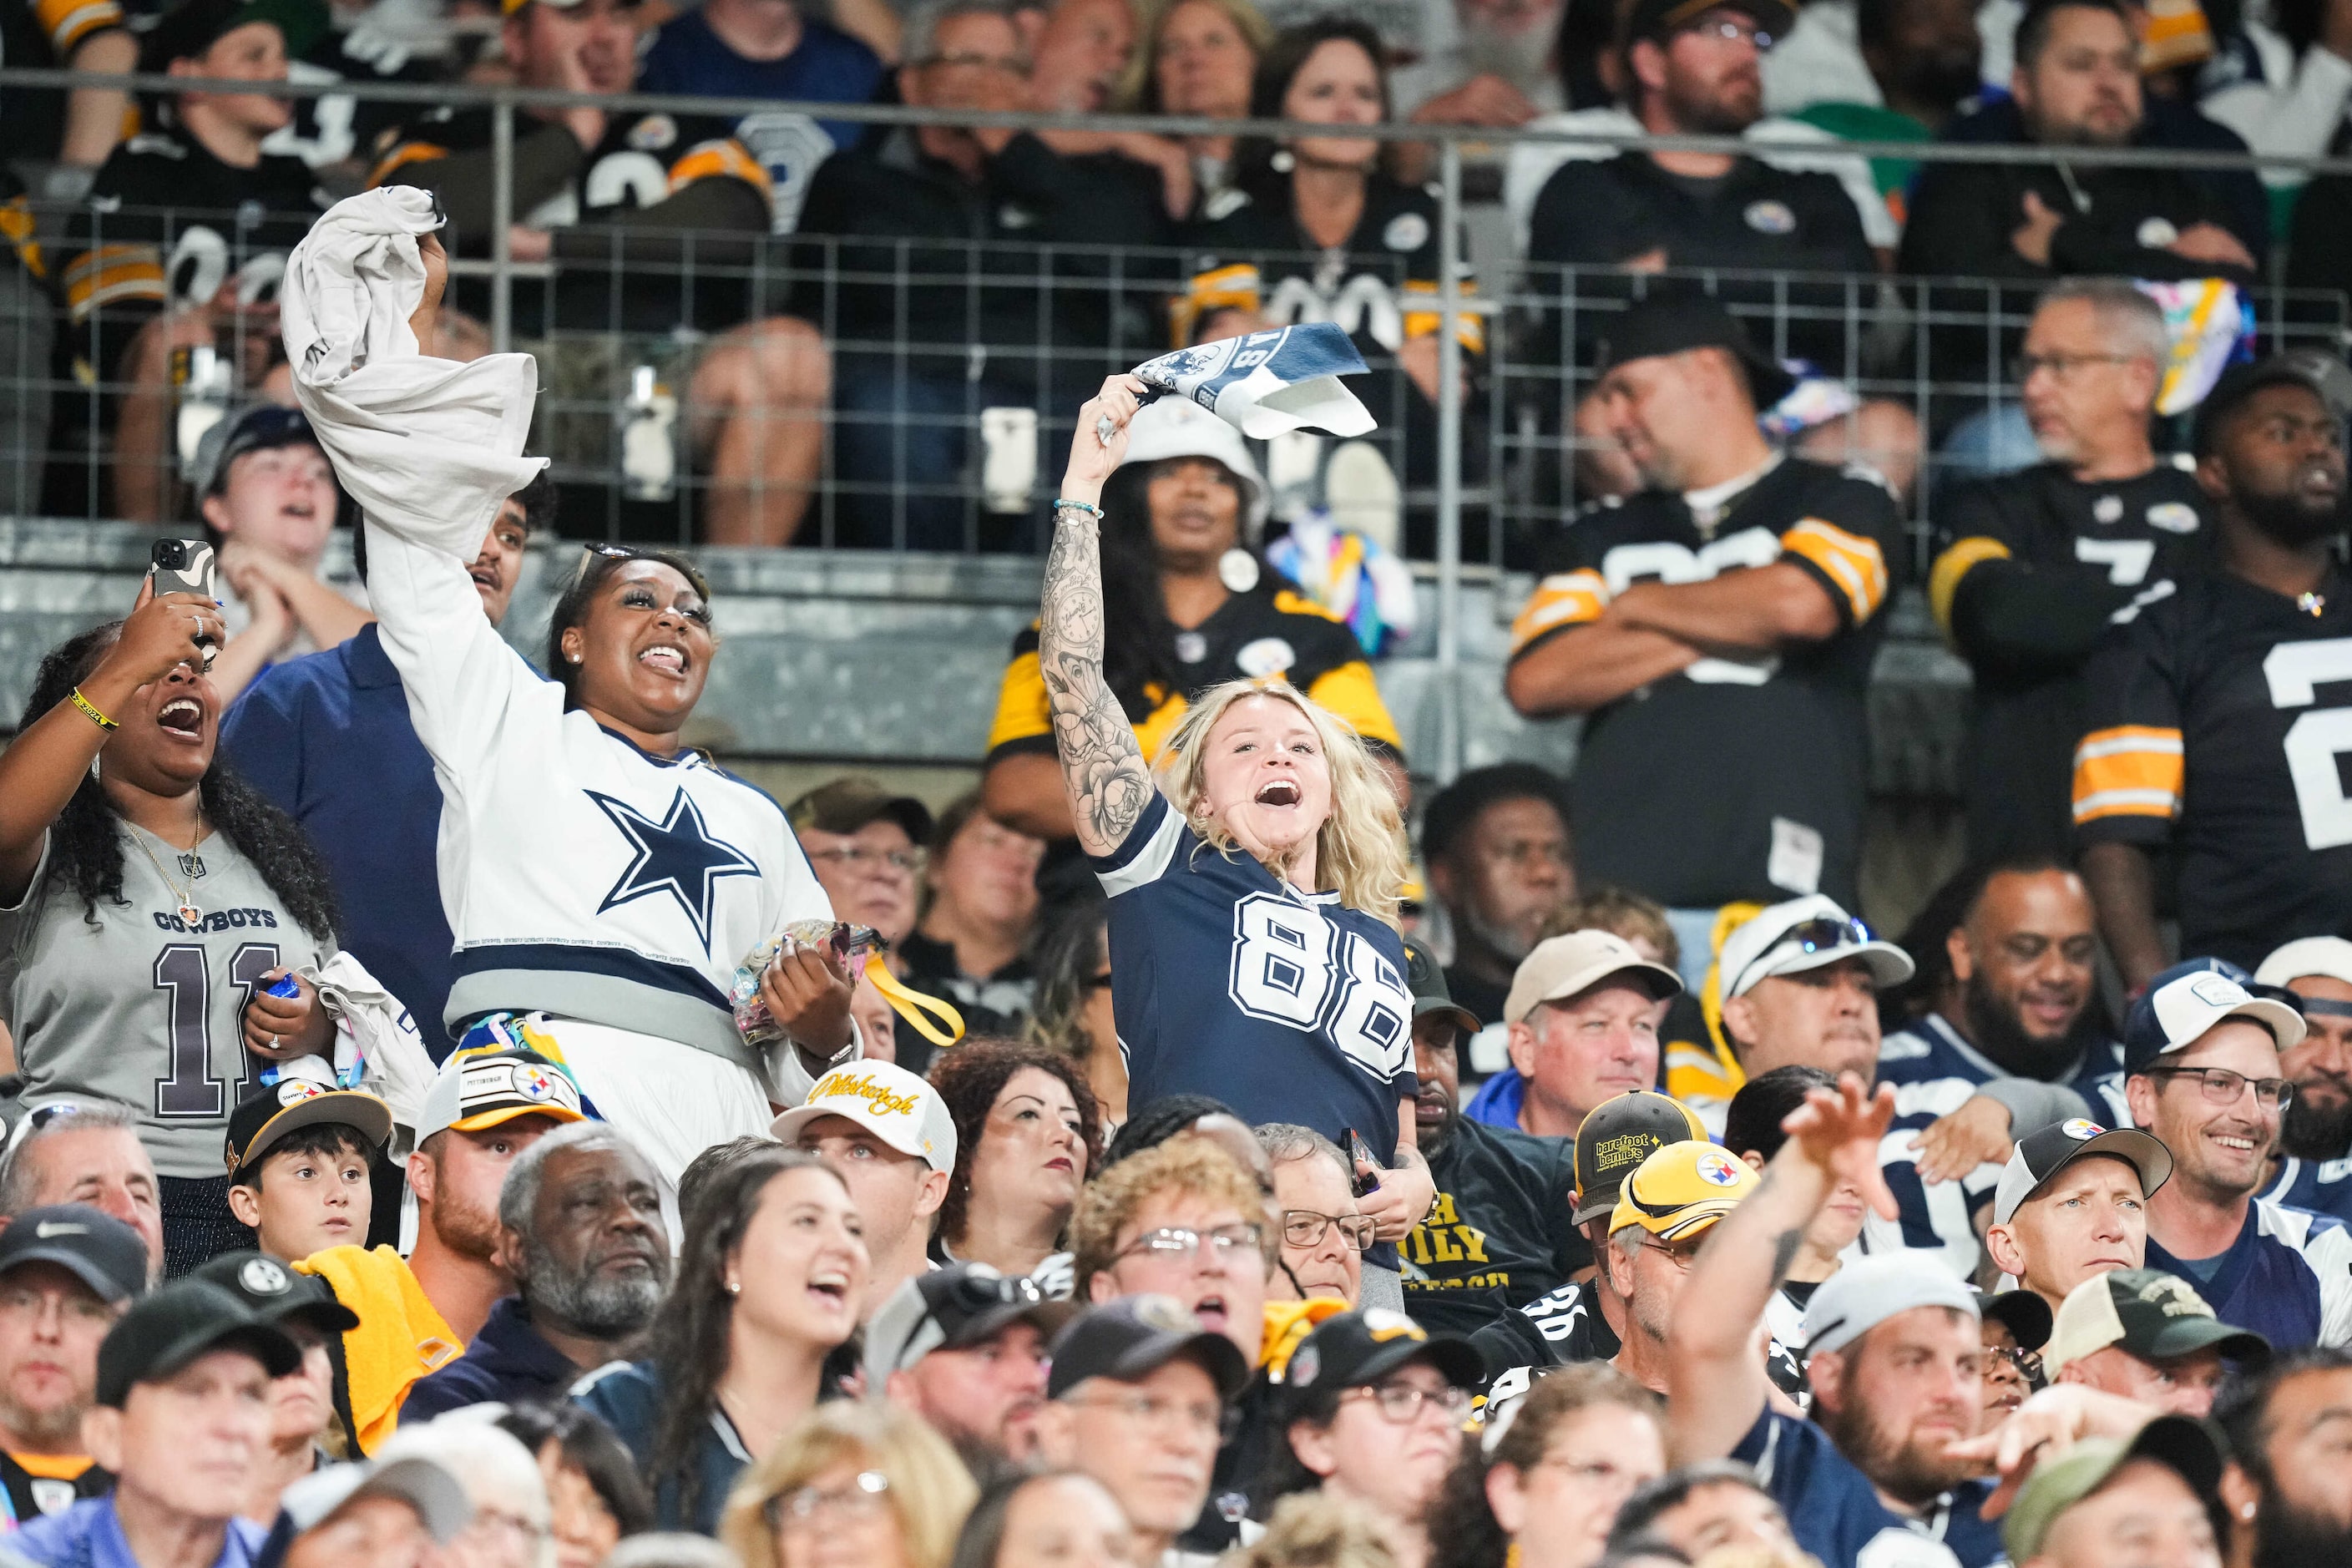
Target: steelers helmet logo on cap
1681	1190
294	1090
1718	1170
2079	1129
532	1083
264	1277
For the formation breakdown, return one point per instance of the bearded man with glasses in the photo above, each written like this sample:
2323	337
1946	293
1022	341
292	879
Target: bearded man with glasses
2201	1073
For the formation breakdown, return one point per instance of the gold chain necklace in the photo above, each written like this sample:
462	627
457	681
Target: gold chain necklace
187	896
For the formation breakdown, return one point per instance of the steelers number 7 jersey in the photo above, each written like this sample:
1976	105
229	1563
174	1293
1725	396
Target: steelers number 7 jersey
2220	723
1288	1006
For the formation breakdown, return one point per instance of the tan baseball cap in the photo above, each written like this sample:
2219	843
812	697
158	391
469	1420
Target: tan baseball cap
1567	966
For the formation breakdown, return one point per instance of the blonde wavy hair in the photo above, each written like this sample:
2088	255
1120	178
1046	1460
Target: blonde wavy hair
1360	850
930	1491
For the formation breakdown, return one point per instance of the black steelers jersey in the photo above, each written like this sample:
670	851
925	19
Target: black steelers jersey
1270	630
643	161
1739	777
167	224
2220	719
1288	1006
2030	569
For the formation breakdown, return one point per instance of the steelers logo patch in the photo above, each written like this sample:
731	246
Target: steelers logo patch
2079	1129
263	1277
295	1090
532	1083
1717	1169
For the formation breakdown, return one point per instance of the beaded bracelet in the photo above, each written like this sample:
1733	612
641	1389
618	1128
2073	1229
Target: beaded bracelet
1078	505
84	703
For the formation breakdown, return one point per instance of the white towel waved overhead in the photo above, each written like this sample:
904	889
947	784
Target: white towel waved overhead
1269	384
409	435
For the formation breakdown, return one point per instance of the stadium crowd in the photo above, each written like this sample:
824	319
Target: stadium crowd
510	1138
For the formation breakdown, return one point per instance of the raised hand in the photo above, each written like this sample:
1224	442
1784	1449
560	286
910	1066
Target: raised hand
1840	1130
1099	443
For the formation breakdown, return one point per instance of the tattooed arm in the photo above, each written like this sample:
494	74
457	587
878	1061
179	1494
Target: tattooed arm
1102	767
1716	1384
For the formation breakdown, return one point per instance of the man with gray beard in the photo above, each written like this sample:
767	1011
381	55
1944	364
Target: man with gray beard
580	1228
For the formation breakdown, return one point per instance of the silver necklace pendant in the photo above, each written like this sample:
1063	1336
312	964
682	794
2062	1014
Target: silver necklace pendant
1238	570
1192	647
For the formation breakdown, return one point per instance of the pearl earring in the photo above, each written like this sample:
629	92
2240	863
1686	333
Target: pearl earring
572	657
734	1286
2246	1510
1281	163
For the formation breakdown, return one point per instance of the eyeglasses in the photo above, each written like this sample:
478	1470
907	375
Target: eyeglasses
1171	1242
1681	1257
1167	1417
2224	1087
1723	29
1305	1227
1011	65
863	1498
1401	1403
2007	1363
2060	365
1596	1473
860	859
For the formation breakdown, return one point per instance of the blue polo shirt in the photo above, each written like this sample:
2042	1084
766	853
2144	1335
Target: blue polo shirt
2288	1276
88	1535
328	739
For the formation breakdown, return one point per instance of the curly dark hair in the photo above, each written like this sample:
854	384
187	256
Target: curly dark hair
596	568
969	1079
86	840
687	1342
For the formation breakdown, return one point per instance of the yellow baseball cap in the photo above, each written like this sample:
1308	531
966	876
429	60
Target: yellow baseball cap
1681	1189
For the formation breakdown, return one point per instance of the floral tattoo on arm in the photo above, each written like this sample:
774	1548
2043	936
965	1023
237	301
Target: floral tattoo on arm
1102	766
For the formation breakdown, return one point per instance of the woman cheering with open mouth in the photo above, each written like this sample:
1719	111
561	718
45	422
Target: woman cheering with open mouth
1254	949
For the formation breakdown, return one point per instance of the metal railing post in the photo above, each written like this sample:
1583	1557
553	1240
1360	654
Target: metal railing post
502	224
1449	464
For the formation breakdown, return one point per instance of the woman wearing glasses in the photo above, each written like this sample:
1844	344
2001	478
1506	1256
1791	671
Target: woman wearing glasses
1372	1412
1254	883
595	868
1540	1486
1324	1233
855	1485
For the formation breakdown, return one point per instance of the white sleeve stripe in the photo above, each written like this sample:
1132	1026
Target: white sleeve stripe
1151	862
2135	742
2113	799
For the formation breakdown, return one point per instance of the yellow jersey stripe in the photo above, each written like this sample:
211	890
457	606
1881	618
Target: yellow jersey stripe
1853	562
1565	600
1956	561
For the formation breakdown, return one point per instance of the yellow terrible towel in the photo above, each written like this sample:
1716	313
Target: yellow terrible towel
400	1337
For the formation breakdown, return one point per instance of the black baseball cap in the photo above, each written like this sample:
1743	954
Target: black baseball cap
1675	322
2042	1155
1350	1350
1425	978
255	429
1616	1136
275	1294
849	802
2317	369
1135	1336
270	1113
953	1308
2151	1314
2024	1313
93	1246
190	28
1658	20
164	1331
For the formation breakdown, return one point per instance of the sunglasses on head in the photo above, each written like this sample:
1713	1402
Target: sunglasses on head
1822	933
630	552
